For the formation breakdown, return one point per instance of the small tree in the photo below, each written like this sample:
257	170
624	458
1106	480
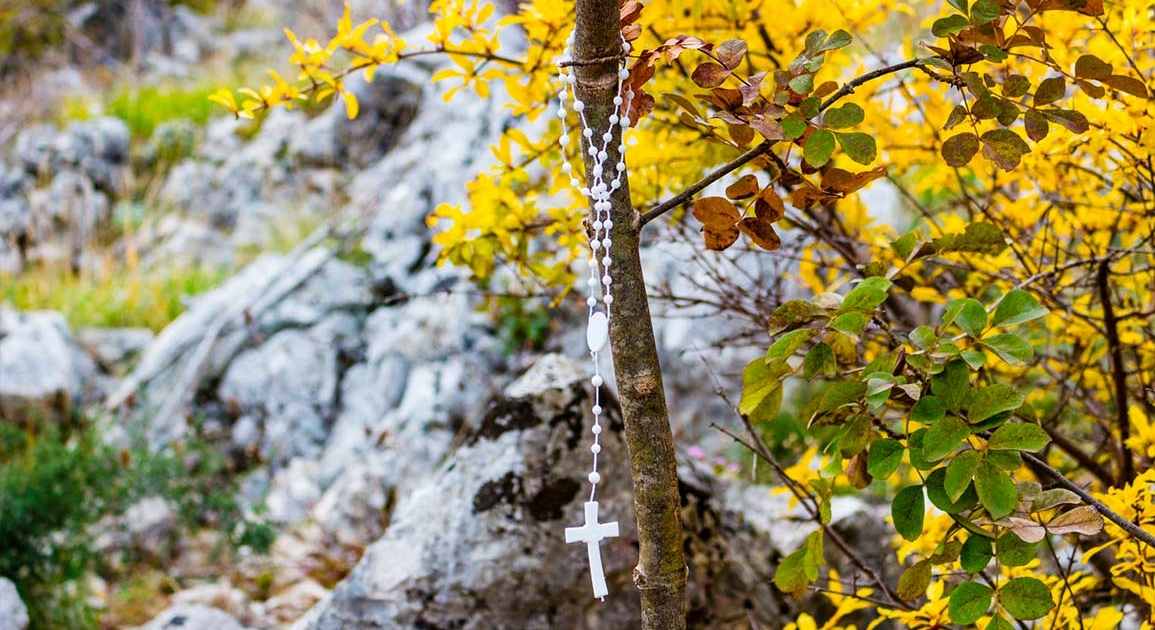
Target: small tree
991	355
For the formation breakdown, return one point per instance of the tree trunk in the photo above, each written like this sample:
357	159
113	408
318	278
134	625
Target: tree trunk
661	571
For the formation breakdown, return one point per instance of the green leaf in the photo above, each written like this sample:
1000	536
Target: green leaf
1026	598
814	41
794	314
961	5
883	458
995	489
840	393
968	313
793	126
998	622
992	399
928	410
1016	307
1050	90
1016	85
980	237
984	11
785	346
968	602
838	39
1018	436
854	436
950	25
1004	147
1091	67
866	295
914	448
936	492
1014	552
761	391
960	149
1007	461
850	323
820	361
944	437
858	146
1127	84
923	337
1036	125
819	146
977	552
952	385
1010	348
908	510
802	84
904	245
974	358
959	473
848	115
791	574
913	582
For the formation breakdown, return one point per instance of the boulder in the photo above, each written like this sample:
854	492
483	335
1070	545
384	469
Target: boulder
43	372
13	614
289	386
480	543
193	617
114	348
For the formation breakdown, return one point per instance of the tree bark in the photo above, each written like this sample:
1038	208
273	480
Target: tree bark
661	572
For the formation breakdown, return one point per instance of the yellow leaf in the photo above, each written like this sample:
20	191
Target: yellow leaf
351	106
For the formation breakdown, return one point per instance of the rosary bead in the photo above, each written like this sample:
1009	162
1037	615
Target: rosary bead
597	380
594	245
574	182
607	280
613	119
621	167
595	477
563	141
592	262
607	136
587	132
607	242
625	122
623	74
578	106
585	192
567	168
597	409
602	155
597	430
561	113
591	301
598	226
622	149
592	282
607	261
596	448
608	299
617	101
593	151
609	223
616	184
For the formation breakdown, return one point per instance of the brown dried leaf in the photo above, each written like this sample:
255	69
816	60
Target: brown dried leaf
769	206
806	196
1127	84
770	129
741	134
1091	67
709	75
844	182
716	212
743	188
1084	520
731	53
761	232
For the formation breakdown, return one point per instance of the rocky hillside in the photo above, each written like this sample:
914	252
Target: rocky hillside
412	462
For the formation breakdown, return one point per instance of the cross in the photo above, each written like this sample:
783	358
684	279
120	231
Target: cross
591	534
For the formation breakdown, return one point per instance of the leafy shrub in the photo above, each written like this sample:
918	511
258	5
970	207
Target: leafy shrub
55	486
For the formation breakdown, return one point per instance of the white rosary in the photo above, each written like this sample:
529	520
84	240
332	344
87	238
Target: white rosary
597	331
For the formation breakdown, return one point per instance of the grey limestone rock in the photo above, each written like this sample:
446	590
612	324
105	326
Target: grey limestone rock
43	372
193	617
13	614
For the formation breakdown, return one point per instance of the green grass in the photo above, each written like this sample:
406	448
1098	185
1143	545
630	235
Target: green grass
56	484
143	108
115	298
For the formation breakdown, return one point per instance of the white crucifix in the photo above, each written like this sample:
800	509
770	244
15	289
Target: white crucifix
592	533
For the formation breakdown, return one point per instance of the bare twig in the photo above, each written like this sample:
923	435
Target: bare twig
1118	374
698	186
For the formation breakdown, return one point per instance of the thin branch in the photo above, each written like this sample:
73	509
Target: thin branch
698	186
1131	528
1118	373
854	84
